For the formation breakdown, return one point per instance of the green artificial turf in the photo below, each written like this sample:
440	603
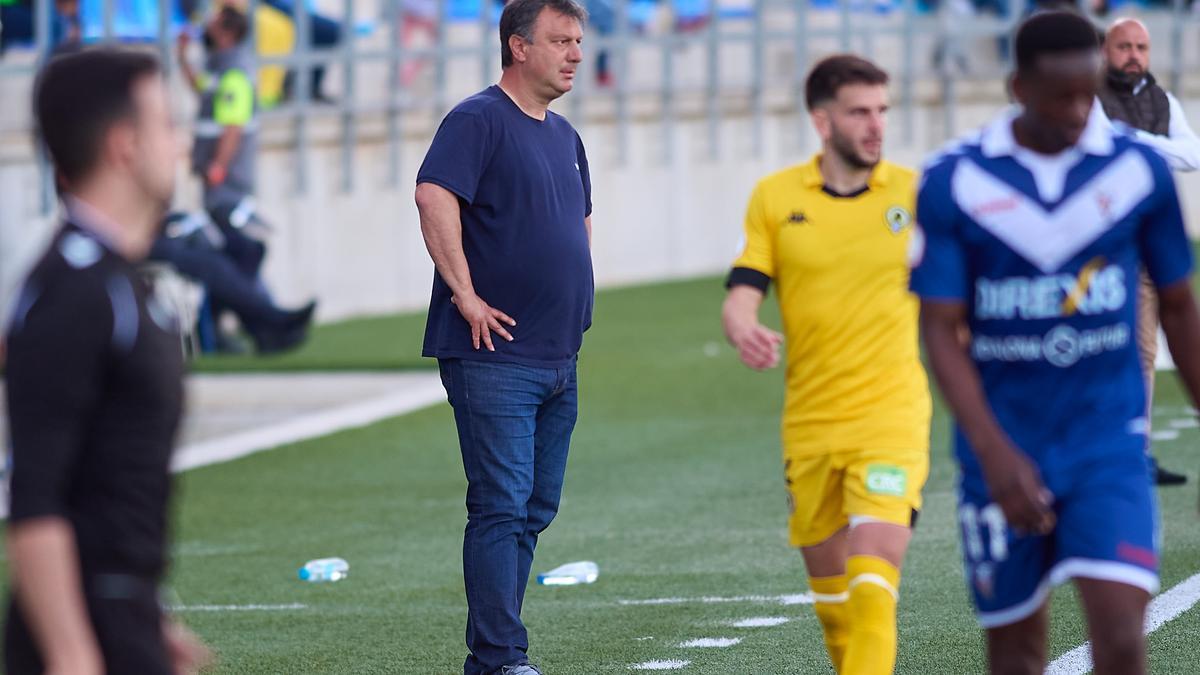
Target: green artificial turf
674	488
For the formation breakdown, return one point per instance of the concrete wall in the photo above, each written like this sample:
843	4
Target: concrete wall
361	252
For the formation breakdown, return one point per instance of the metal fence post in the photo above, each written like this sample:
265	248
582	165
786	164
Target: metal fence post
49	193
623	47
439	64
394	110
1179	17
668	88
800	42
486	46
908	37
302	84
109	18
164	34
845	27
758	77
713	77
349	119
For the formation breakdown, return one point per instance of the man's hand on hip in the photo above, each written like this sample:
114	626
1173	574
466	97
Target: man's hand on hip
484	320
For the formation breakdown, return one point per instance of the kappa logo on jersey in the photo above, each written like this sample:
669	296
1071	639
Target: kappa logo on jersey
1097	289
797	218
898	219
886	479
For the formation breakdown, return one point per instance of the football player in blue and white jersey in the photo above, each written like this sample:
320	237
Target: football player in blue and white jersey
1034	231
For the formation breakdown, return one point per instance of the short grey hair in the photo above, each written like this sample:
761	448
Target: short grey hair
519	17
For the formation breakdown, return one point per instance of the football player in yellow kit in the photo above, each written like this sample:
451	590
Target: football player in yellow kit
833	235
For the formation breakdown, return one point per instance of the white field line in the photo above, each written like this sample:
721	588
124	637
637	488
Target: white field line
418	395
660	665
796	599
760	622
239	608
1164	608
709	643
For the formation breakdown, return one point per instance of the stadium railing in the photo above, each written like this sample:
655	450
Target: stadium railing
924	45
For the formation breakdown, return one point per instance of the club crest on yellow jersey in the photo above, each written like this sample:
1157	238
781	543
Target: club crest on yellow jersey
898	219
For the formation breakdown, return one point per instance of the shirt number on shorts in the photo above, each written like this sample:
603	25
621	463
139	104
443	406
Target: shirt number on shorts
974	521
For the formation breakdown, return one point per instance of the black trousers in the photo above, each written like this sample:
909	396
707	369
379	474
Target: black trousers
126	618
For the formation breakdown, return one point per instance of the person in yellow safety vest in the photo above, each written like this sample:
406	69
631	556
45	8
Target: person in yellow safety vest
226	135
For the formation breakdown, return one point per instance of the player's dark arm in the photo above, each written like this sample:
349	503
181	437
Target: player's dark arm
1181	324
1012	478
54	379
45	570
441	226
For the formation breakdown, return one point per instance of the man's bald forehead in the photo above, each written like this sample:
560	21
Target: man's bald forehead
1125	26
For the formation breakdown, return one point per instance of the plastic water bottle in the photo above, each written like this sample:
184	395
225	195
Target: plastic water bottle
324	569
583	572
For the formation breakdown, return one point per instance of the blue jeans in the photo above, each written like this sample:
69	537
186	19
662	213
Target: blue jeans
514	427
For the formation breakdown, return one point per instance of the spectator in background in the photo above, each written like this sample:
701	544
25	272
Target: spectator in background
226	136
195	250
17	24
275	36
1129	94
418	18
223	155
324	33
602	18
66	32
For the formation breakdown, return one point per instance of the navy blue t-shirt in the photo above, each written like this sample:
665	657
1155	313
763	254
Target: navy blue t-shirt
524	191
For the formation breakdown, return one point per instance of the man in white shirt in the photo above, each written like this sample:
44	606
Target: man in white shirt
1129	94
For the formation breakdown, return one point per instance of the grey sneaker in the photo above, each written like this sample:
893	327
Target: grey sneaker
521	669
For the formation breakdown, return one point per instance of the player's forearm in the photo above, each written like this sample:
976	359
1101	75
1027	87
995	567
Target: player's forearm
1181	324
740	309
441	227
959	382
45	569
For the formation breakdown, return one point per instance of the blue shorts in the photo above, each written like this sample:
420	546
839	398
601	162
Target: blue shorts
1106	529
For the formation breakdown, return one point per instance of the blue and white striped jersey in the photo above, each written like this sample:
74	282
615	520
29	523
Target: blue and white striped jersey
1045	252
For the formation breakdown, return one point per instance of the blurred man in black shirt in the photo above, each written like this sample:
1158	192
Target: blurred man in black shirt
95	387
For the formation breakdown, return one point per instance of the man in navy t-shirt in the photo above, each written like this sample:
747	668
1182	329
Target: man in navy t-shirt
505	201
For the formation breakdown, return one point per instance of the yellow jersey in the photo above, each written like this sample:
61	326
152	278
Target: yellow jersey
840	266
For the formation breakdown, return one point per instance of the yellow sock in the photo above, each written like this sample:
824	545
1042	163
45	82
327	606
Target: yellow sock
871	611
829	596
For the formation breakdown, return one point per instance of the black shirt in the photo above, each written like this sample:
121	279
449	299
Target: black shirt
94	396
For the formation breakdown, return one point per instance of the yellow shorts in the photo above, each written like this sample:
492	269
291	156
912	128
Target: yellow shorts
829	492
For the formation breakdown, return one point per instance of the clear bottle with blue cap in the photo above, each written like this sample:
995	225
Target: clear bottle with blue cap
324	569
